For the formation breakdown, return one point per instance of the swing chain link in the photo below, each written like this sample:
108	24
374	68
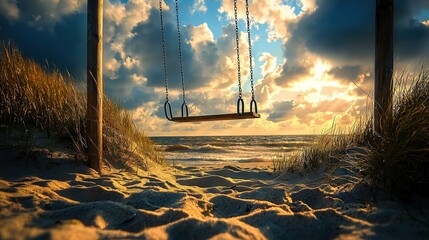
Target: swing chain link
164	52
250	48
240	91
180	52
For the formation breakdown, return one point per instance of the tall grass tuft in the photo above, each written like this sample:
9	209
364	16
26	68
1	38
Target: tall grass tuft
398	156
395	159
326	150
33	97
288	162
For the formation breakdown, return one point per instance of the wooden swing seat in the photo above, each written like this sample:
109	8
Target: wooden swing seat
216	117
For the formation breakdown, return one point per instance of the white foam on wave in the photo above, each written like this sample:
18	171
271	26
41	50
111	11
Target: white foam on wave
234	149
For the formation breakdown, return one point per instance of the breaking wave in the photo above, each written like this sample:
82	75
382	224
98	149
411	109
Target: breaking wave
229	148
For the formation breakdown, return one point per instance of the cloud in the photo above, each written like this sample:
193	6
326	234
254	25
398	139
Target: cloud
46	14
208	63
202	64
266	87
325	44
199	5
270	63
65	46
281	111
346	72
292	72
411	40
132	48
270	12
337	32
9	9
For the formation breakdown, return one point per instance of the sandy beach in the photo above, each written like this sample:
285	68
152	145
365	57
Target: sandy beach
50	195
267	119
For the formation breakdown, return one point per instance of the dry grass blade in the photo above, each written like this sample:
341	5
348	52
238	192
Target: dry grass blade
395	159
398	158
30	96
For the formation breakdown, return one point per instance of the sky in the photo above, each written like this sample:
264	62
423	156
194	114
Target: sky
312	59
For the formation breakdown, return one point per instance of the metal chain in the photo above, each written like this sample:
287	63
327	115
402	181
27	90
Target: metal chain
180	51
164	53
250	48
240	91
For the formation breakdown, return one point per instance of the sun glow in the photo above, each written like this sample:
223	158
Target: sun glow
320	86
319	69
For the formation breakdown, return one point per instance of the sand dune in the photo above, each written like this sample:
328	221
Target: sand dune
52	196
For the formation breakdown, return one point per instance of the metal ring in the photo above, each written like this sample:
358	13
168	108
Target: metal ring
185	107
253	102
240	102
168	105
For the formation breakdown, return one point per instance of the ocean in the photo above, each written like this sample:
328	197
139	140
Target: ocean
228	149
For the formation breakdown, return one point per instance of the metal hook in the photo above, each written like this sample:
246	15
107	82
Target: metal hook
253	102
185	107
240	102
167	109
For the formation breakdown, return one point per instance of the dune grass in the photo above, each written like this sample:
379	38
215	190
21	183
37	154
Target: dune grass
398	156
396	159
327	149
35	97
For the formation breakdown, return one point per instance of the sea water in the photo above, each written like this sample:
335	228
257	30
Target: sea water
221	149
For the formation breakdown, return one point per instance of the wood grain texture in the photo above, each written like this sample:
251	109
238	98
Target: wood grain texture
216	117
94	112
383	69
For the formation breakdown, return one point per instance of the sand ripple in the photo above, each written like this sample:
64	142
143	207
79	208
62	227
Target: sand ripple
193	203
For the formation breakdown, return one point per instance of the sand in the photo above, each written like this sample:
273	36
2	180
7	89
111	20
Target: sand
50	195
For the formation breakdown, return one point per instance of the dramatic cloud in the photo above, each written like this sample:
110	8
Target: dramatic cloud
411	40
207	63
271	12
313	60
64	46
343	33
45	14
146	45
339	30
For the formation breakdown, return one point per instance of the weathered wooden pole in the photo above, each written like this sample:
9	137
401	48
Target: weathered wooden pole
383	61
94	112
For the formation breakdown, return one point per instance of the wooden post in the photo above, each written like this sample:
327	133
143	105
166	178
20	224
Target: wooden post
94	112
383	61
